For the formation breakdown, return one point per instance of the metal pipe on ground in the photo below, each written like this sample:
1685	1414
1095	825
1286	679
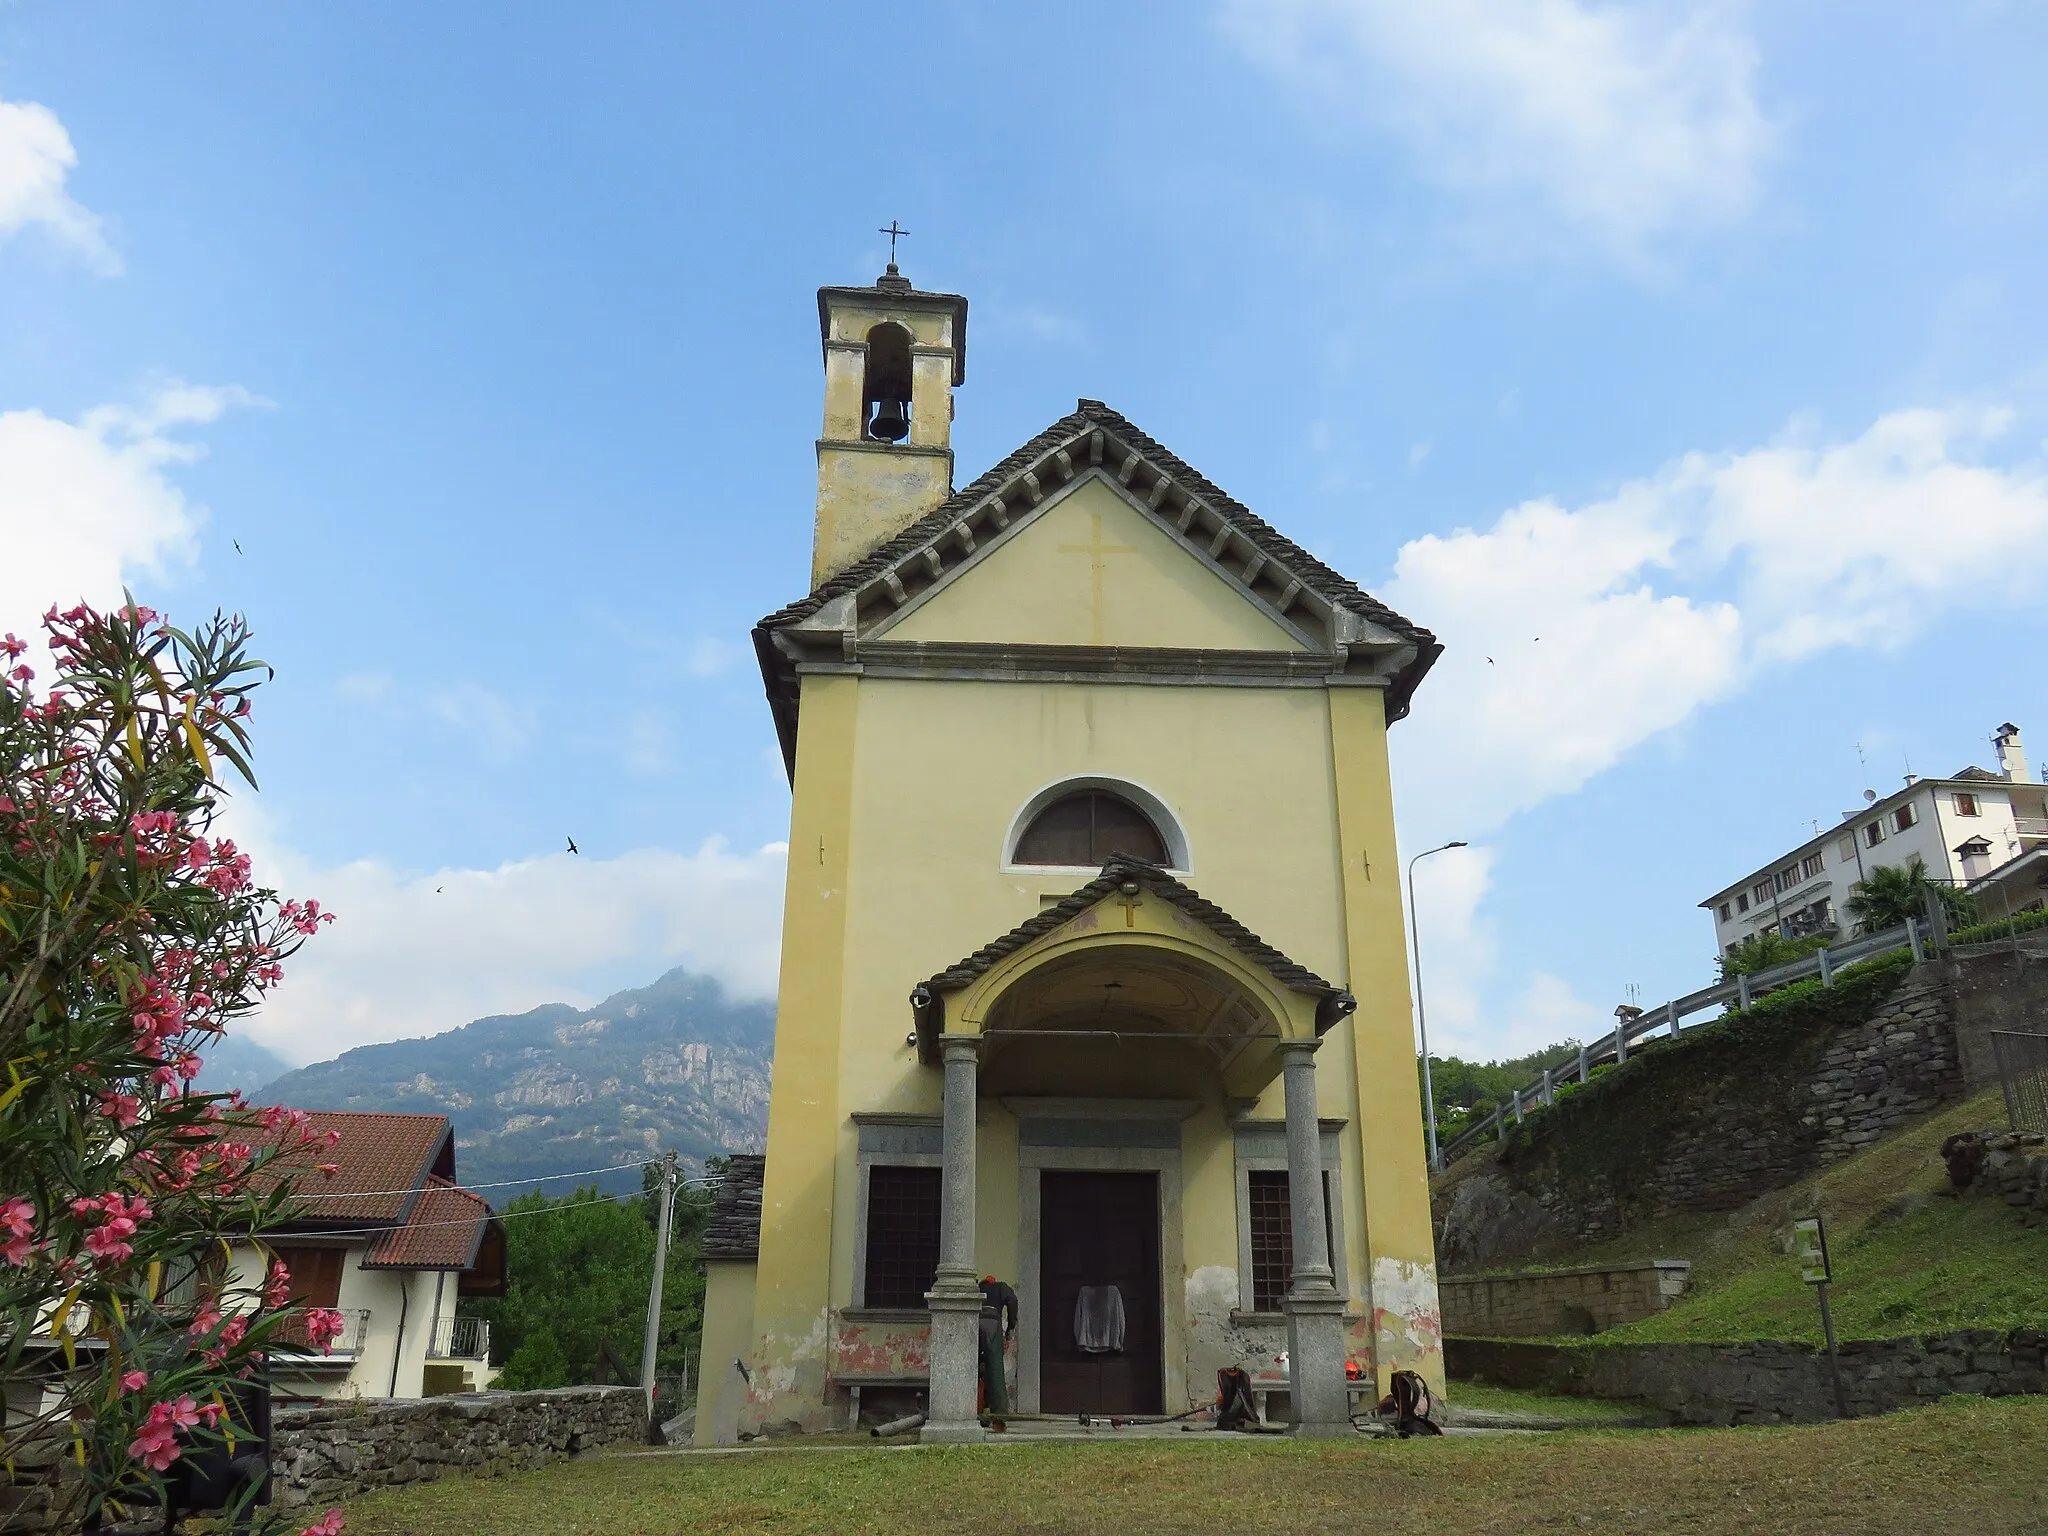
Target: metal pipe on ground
901	1426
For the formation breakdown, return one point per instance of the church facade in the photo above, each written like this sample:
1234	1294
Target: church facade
1093	971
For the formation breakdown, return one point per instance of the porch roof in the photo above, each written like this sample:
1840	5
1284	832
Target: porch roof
1120	869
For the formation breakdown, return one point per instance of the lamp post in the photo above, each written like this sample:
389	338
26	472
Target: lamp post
1421	1021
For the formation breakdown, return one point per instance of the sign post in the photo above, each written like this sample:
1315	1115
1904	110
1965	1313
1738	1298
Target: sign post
1810	1247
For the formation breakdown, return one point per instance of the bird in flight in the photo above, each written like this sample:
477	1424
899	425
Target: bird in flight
572	846
238	545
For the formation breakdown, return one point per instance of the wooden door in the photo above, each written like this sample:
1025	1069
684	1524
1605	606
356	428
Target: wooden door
316	1275
1099	1229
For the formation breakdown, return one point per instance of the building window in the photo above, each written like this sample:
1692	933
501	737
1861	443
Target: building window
1845	850
1812	866
1904	817
1271	1212
1724	912
1788	877
1741	903
1085	828
903	1235
316	1275
1966	805
1272	1239
1763	891
1873	834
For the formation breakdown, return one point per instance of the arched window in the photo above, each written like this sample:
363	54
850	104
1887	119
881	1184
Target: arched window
885	392
1085	828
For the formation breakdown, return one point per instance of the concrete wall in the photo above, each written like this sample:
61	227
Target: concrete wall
324	1456
1560	1301
1764	1382
728	1336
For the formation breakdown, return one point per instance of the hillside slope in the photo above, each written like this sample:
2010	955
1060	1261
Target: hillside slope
673	1064
1908	1256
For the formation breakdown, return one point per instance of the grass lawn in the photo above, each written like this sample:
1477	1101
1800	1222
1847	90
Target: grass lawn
1966	1464
1908	1258
1546	1405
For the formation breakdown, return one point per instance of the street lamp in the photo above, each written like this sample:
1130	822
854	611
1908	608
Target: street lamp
1421	1022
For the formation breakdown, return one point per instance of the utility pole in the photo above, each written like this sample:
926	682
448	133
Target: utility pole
653	1335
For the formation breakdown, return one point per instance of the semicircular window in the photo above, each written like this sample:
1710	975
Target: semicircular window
1085	828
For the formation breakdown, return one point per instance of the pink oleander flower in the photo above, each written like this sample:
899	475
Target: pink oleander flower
133	1381
277	1290
156	1447
206	1319
105	1245
329	1524
323	1326
11	647
18	1217
17	1249
124	1109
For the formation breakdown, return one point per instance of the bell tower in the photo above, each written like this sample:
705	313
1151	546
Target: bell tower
893	356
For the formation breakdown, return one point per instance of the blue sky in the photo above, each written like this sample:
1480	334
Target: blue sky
1689	360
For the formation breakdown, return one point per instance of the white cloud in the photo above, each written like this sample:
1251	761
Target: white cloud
416	954
36	157
88	505
1621	123
501	726
1576	635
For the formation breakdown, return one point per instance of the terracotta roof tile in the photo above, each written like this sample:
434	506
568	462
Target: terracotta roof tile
383	1160
443	1231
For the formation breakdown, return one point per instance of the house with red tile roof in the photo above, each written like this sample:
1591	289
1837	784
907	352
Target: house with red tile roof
393	1243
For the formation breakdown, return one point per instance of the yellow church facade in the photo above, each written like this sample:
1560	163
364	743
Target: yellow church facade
1093	971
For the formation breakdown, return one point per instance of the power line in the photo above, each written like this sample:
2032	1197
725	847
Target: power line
543	1178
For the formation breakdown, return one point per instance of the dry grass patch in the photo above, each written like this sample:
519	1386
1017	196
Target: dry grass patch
1964	1464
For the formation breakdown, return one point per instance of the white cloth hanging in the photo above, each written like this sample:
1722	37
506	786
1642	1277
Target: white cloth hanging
1099	1320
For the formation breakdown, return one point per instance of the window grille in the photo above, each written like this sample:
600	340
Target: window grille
903	1235
1272	1235
1272	1239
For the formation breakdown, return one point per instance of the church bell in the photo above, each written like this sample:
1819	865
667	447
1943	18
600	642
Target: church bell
890	425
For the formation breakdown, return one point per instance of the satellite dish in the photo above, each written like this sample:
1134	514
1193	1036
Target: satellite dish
1870	794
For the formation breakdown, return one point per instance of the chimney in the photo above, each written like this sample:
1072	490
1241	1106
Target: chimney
2012	757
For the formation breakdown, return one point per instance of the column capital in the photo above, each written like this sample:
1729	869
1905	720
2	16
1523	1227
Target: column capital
1303	1048
960	1047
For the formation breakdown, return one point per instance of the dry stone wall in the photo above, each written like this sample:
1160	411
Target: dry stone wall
326	1455
1560	1301
1711	1120
1763	1382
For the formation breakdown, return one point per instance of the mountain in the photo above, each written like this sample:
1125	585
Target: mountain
677	1064
235	1061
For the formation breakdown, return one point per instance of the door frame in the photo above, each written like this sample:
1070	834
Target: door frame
1099	1136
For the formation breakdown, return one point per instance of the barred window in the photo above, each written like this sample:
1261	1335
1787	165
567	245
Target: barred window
903	1235
1272	1238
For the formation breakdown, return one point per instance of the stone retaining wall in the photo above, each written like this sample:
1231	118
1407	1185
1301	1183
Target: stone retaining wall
1763	1382
2004	1165
1712	1137
1560	1300
327	1454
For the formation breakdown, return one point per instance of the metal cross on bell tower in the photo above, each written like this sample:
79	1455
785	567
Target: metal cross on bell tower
894	235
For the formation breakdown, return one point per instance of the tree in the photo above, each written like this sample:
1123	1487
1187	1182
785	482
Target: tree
1468	1091
129	935
1761	951
578	1269
1889	896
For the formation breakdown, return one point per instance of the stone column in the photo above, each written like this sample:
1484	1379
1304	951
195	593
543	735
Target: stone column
1320	1405
955	1296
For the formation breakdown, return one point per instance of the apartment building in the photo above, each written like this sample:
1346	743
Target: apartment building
1985	830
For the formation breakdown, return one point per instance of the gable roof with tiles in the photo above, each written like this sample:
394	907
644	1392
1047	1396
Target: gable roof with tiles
1264	560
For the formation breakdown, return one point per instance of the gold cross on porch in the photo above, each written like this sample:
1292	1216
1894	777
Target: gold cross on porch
1097	553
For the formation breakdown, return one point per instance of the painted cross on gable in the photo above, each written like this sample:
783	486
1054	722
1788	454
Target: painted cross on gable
1098	554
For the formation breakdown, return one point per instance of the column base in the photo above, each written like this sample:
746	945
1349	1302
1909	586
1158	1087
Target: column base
952	1409
1320	1402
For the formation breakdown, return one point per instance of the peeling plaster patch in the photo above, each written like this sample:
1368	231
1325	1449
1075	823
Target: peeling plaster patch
778	1393
1407	1321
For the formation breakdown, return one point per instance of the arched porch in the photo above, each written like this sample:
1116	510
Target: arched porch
1100	1025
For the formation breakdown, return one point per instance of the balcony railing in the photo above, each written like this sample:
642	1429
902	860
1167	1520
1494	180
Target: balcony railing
461	1338
2031	826
292	1339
